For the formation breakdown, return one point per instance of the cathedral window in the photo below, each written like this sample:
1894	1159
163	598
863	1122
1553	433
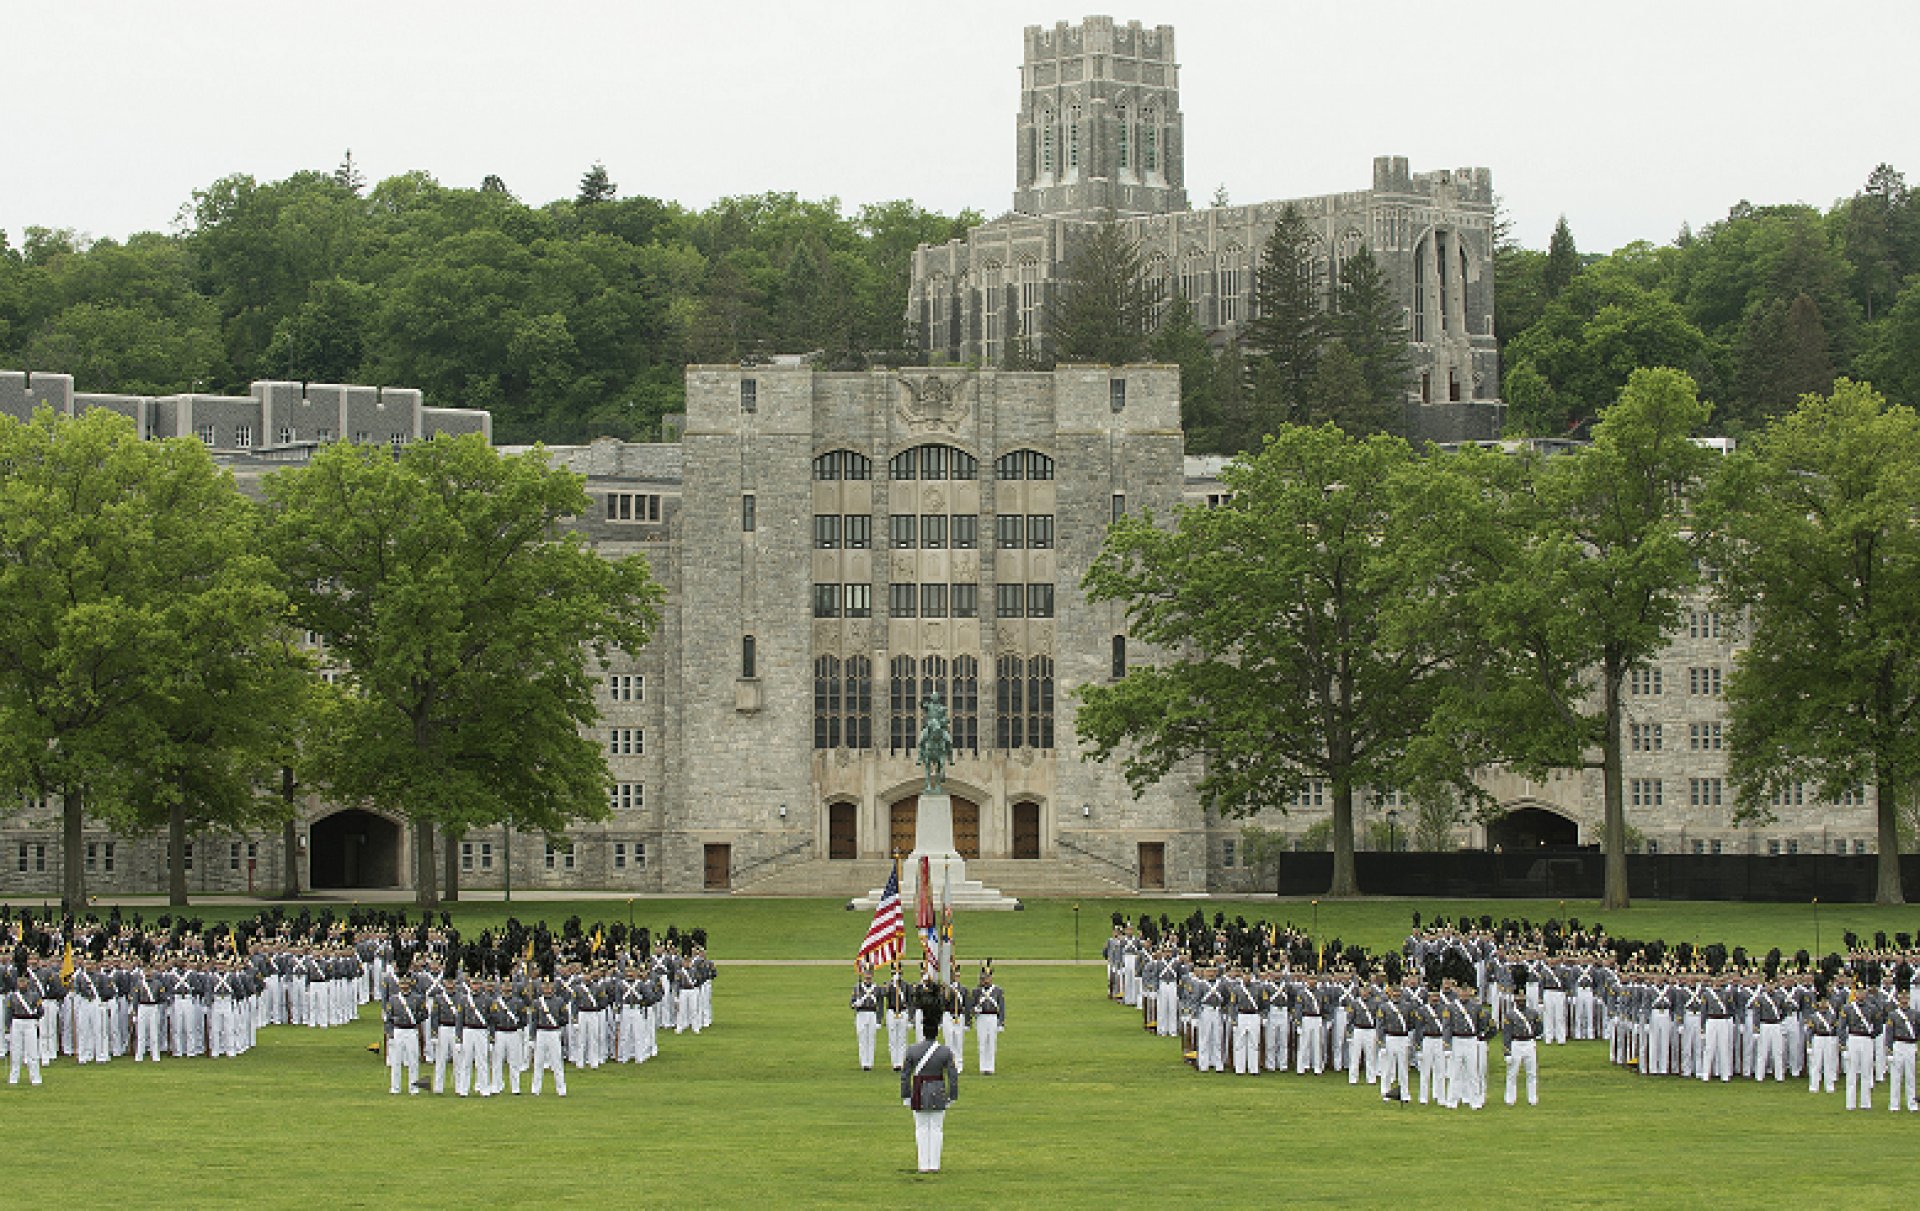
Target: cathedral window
1010	721
1123	143
904	699
1233	280
1149	153
826	702
1046	143
1073	138
963	715
842	464
1023	464
859	702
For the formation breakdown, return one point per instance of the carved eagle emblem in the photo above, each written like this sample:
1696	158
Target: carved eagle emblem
934	403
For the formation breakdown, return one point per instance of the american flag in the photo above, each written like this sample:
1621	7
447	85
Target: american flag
887	935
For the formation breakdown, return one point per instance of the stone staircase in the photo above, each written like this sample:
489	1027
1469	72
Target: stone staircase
1012	876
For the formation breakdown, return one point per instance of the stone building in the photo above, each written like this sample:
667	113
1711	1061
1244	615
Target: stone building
1100	129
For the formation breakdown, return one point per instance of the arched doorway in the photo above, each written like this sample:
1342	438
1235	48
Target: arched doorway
1026	829
905	815
354	849
1528	828
843	833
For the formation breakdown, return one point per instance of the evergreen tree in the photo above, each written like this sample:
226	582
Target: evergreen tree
596	186
1288	325
1237	430
1563	261
1340	396
1180	342
1367	320
348	177
1103	312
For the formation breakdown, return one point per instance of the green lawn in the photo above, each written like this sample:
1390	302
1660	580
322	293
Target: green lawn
769	1109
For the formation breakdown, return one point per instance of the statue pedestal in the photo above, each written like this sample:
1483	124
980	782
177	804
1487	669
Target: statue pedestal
946	869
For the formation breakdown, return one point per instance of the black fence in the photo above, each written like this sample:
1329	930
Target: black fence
1580	874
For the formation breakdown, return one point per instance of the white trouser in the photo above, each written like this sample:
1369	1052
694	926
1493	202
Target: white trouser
546	1058
686	1013
1394	1071
896	1036
150	1030
446	1050
866	1028
953	1030
1313	1044
403	1051
1900	1093
1859	1072
1362	1051
1212	1041
1523	1053
509	1057
472	1061
1553	1014
1276	1040
1433	1069
1823	1062
1167	1011
928	1129
23	1045
1716	1056
1476	1093
1771	1046
986	1033
1246	1043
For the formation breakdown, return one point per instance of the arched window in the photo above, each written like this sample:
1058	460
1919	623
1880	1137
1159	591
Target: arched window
1232	282
1124	141
826	702
1023	464
1157	274
842	464
1030	297
1193	281
1149	150
934	462
993	281
859	702
1040	702
904	718
1046	142
965	712
1073	137
1010	718
933	680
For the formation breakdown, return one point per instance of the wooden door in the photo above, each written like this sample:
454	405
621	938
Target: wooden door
906	817
843	834
1153	865
966	828
719	867
1026	830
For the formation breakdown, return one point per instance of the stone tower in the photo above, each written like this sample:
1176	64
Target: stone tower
1099	126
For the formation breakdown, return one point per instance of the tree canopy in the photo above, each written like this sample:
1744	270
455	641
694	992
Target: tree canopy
442	583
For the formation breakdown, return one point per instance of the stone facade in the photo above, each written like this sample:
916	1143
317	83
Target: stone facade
1100	129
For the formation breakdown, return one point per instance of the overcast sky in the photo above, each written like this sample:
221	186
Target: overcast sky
1630	117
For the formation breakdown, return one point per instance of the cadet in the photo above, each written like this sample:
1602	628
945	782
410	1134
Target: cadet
400	1017
929	1083
1520	1032
866	1016
989	1018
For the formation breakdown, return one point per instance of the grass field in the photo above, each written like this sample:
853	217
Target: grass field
769	1108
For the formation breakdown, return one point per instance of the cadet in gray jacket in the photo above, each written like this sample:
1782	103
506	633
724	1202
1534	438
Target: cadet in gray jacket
929	1083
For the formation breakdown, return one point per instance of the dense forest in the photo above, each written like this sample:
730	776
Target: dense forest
574	318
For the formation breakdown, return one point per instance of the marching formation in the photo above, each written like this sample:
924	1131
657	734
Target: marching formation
1267	999
96	990
895	1006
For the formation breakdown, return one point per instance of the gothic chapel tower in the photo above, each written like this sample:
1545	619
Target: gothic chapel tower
1099	125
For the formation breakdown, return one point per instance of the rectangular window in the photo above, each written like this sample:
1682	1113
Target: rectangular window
746	514
1643	681
1040	531
1716	846
1645	737
933	532
1039	601
93	860
1010	600
1703	792
233	855
1226	847
1703	624
323	435
906	530
1645	792
1704	681
966	531
286	435
933	601
106	857
1703	737
749	395
243	436
859	531
966	600
1699	846
627	742
466	857
1793	794
397	440
1859	847
1117	396
639	855
186	859
627	797
626	687
859	598
362	437
1010	531
1854	796
1119	505
903	600
826	601
826	531
205	434
619	855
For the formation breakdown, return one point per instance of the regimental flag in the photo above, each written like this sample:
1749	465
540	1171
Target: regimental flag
888	933
946	923
66	967
923	915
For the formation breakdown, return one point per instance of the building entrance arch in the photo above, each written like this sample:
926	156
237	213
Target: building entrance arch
1530	828
353	848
